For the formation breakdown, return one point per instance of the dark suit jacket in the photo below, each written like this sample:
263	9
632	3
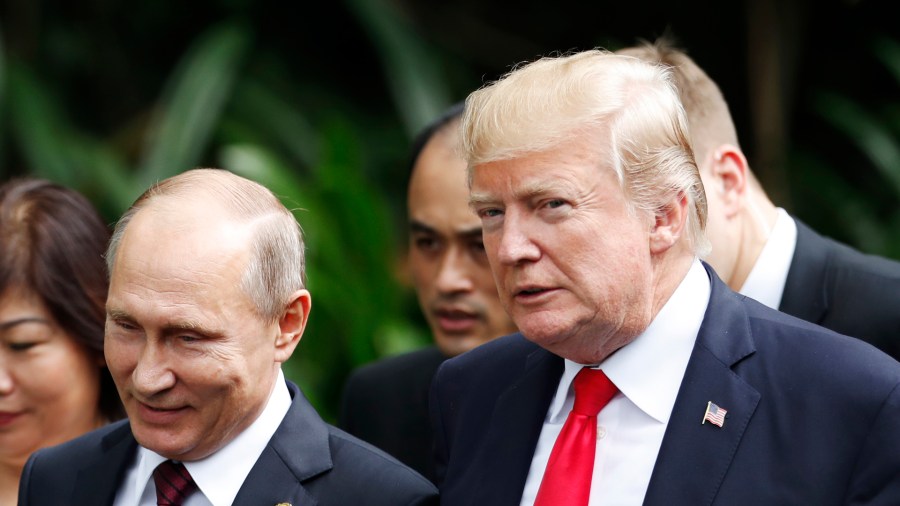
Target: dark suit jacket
307	462
844	290
386	404
813	416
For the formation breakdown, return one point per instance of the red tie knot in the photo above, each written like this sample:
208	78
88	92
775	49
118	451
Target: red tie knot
593	390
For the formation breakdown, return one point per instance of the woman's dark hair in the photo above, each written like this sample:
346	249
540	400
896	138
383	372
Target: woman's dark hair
52	242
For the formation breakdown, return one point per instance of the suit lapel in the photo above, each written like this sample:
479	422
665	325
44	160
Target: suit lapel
694	458
807	275
502	467
99	478
299	450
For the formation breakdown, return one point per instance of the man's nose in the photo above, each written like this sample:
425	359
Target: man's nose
516	244
453	274
153	371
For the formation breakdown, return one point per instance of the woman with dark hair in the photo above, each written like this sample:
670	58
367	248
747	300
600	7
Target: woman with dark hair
54	384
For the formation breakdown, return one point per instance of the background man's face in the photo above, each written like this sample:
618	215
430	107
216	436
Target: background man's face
449	268
192	361
572	262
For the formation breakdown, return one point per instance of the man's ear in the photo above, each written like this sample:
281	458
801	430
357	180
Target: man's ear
292	324
727	167
669	225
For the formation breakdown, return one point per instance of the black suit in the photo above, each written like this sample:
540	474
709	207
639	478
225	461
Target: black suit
813	416
386	404
844	290
307	462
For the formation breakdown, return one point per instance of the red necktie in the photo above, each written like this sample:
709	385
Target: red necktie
567	480
173	484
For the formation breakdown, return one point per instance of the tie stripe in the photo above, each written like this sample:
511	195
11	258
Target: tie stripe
173	484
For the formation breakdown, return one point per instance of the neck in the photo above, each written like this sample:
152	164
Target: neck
9	481
757	221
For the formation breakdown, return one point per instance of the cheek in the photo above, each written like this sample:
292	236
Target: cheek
422	269
66	382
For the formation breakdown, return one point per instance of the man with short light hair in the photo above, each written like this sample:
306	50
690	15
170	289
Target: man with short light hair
638	376
206	301
759	249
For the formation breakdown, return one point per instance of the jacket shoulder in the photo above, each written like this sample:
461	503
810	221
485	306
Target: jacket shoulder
367	475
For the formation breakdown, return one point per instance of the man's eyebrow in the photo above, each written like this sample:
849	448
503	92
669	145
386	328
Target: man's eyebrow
527	191
479	199
474	232
419	227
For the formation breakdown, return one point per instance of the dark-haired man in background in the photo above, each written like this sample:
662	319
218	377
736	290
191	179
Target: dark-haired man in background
386	403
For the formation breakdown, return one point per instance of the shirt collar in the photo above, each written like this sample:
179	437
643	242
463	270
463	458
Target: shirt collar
766	280
221	475
664	347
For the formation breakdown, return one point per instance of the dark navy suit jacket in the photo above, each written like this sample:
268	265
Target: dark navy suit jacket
386	403
813	416
844	290
307	462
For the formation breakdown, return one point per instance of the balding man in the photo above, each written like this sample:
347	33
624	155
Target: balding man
206	301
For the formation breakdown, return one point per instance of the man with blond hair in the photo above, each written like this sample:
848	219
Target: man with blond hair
638	377
760	250
206	300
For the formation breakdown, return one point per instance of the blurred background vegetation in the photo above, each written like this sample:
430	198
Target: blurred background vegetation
319	102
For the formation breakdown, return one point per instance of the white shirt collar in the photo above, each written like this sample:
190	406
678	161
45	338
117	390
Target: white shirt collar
221	475
769	274
664	348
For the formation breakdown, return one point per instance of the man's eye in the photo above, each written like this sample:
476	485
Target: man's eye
188	338
426	243
489	213
124	325
553	204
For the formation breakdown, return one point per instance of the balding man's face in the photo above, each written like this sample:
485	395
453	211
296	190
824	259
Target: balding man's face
193	362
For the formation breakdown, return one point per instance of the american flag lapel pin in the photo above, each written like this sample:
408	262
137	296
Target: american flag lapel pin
714	414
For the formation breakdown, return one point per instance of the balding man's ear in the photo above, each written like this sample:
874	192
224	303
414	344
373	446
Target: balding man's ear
669	224
728	170
292	324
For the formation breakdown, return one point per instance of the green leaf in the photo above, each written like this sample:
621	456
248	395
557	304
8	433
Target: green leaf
414	77
888	51
192	103
872	137
38	124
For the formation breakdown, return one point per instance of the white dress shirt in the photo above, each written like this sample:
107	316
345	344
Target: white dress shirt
648	372
220	476
769	274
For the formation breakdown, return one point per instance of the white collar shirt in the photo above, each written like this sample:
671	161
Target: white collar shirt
766	280
220	476
648	373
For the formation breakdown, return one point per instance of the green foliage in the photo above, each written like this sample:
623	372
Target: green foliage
218	109
866	208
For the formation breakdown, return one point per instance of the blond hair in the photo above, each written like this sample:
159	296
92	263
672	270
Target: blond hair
634	104
708	116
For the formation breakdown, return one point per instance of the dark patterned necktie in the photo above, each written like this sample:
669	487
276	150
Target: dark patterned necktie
173	484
